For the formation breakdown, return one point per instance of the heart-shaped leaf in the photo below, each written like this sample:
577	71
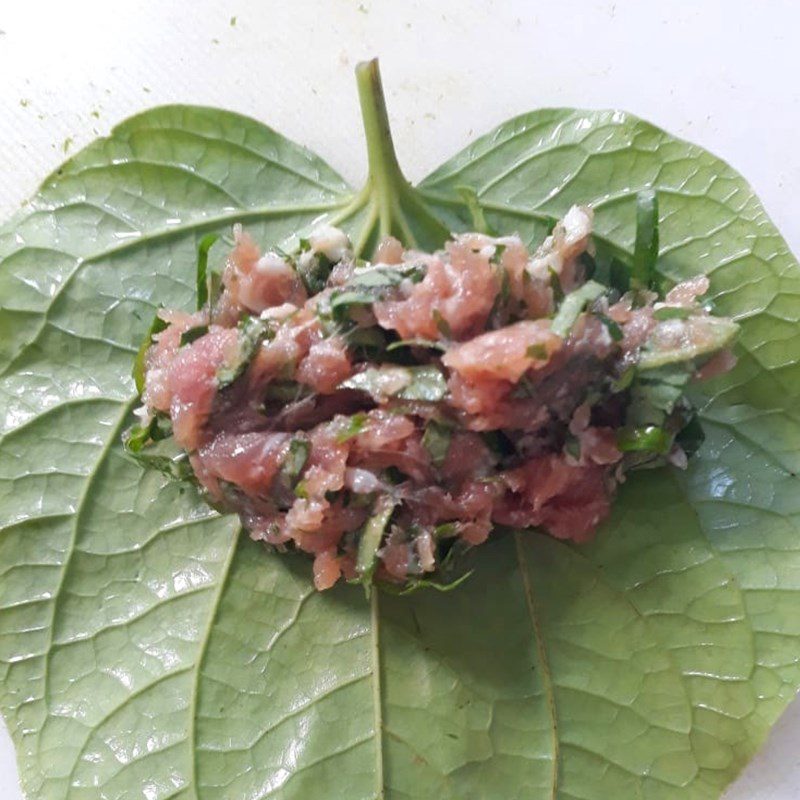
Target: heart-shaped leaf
149	649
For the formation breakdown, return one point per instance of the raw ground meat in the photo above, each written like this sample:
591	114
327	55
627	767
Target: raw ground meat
409	405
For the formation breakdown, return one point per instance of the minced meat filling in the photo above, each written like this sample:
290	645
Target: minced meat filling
385	416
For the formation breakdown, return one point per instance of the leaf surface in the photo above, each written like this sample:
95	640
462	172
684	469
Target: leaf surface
149	649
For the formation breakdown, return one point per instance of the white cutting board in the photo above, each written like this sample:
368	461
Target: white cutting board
723	73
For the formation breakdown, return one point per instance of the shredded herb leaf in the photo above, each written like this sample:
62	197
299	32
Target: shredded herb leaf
156	326
370	540
206	243
193	334
645	249
572	306
356	424
436	440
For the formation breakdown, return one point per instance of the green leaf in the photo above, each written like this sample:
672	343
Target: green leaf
442	325
671	312
425	383
477	218
147	646
252	332
415	584
282	488
368	286
614	330
371	536
651	439
717	334
354	425
436	440
572	306
139	363
202	279
428	344
645	249
193	334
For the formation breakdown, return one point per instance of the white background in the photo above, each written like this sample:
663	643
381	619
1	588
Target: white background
723	73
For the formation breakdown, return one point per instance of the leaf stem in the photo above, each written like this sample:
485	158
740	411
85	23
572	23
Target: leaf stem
397	209
385	174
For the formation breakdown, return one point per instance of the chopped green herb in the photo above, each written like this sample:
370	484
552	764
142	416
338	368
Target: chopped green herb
555	285
156	326
355	425
572	446
426	343
436	440
299	450
613	328
499	313
573	305
202	280
645	249
314	269
623	381
193	334
424	382
500	445
252	332
445	530
139	436
651	439
655	393
284	485
442	325
718	333
415	584
537	351
371	537
671	312
525	388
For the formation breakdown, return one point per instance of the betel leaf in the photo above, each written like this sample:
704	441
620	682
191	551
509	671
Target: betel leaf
150	649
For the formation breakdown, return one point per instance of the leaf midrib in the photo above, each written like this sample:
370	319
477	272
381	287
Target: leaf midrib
201	655
377	699
544	664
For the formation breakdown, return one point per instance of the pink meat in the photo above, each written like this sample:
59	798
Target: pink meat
156	393
249	460
389	251
505	354
392	440
569	501
192	383
326	569
505	369
534	294
461	292
254	282
326	365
